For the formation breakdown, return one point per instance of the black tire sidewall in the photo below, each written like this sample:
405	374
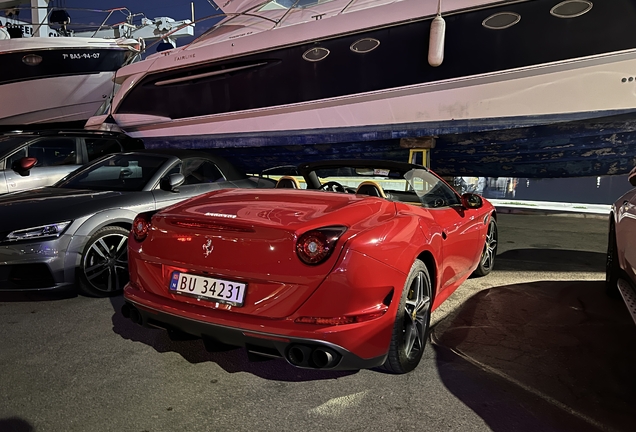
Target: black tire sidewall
481	270
82	282
396	361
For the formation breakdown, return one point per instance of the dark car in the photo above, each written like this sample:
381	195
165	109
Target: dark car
621	248
76	231
40	158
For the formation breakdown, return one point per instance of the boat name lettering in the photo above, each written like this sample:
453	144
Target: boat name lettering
231	216
240	35
184	57
80	56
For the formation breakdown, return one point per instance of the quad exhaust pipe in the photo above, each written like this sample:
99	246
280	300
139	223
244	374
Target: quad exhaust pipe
312	357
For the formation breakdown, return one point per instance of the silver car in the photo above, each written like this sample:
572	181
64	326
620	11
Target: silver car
76	232
40	158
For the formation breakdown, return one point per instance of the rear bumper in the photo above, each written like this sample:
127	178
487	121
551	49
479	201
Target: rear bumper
302	352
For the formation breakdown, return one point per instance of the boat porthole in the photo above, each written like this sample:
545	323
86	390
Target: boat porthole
571	8
502	20
365	45
316	54
31	59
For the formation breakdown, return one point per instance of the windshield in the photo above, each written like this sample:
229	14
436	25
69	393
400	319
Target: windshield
241	18
118	172
416	186
430	189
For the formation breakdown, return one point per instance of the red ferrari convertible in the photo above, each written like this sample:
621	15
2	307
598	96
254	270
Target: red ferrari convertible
339	267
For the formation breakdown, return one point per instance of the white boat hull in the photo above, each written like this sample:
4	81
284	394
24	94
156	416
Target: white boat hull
53	100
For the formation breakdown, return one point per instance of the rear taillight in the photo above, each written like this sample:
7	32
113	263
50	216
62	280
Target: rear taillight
141	226
315	246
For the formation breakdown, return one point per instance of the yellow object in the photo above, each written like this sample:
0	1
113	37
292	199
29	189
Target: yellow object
420	156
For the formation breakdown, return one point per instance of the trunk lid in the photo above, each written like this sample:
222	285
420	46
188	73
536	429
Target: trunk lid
249	236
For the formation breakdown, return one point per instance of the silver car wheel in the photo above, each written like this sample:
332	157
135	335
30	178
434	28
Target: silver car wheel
488	254
416	314
412	321
105	262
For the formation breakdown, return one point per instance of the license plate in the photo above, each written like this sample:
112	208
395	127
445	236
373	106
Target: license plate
218	290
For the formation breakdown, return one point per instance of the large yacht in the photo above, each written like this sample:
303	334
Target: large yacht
52	75
526	88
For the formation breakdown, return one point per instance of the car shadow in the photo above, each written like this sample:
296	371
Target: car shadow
542	356
546	260
37	296
15	424
232	360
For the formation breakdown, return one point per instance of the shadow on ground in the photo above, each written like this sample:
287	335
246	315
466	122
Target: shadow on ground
564	347
15	424
545	260
231	360
37	296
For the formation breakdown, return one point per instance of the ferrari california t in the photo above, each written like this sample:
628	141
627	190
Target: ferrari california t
75	232
339	267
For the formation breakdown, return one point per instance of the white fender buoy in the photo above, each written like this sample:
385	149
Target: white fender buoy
436	41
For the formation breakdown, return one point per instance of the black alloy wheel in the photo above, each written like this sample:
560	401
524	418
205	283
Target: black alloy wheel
487	260
412	322
104	265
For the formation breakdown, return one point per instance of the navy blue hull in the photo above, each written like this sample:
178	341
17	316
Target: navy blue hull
512	148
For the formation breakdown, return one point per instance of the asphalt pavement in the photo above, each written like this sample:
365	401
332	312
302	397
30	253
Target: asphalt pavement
534	346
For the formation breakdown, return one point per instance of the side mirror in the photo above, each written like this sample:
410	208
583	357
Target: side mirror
472	201
172	182
632	177
23	165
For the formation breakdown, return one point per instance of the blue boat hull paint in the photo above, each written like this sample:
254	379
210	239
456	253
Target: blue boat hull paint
576	145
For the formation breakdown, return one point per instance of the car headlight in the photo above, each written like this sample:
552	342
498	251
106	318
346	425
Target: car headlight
38	232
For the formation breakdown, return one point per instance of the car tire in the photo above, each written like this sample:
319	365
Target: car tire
412	322
487	259
612	268
103	270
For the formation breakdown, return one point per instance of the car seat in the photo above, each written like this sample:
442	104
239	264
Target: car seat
371	188
287	182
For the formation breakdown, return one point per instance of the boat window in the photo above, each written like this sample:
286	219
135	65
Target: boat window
316	54
501	20
571	8
364	45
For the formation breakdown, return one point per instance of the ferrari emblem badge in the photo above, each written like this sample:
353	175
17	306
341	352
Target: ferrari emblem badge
207	248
